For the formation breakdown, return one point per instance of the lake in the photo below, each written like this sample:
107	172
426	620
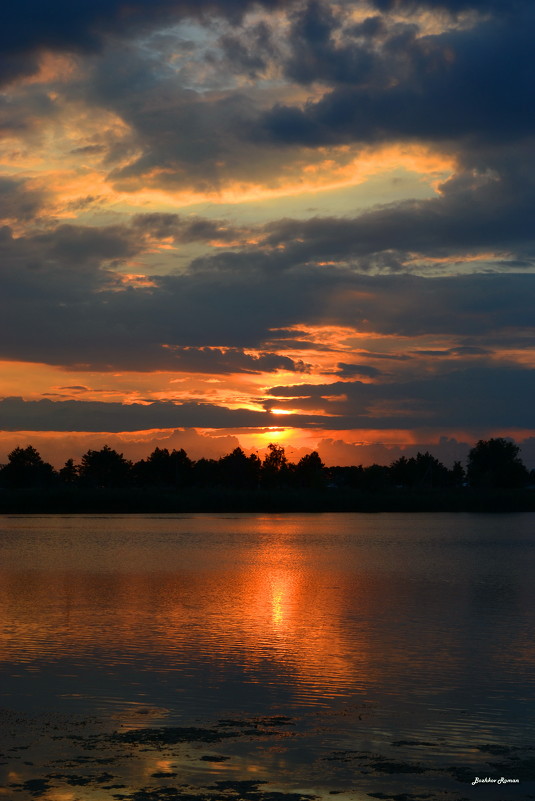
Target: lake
265	657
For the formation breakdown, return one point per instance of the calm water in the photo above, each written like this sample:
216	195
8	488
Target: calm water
398	648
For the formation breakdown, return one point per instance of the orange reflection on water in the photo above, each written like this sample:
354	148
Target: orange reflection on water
279	592
268	609
268	600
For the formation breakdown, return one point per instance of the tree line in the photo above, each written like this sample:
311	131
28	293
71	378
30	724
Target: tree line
493	463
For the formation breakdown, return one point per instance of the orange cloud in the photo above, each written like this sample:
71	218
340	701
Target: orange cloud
325	169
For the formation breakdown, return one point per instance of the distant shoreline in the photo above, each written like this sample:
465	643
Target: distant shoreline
60	500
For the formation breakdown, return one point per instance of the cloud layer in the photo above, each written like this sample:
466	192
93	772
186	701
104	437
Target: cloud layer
321	207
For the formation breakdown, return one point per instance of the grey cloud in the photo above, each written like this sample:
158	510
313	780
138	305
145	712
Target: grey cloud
353	370
181	136
323	47
462	352
481	399
469	350
178	136
476	398
61	265
462	83
31	26
338	452
19	200
479	209
251	52
186	229
464	89
73	415
496	7
62	304
475	212
73	244
208	360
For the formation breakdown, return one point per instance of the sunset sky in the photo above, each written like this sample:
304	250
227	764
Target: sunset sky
233	223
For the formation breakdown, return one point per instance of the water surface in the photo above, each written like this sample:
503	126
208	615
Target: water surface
359	653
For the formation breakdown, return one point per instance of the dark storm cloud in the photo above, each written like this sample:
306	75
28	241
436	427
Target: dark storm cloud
31	26
231	360
18	200
71	260
498	7
315	56
46	415
485	207
473	82
186	229
477	398
20	115
62	304
461	352
210	360
357	370
62	265
178	136
467	350
185	139
467	90
475	212
251	54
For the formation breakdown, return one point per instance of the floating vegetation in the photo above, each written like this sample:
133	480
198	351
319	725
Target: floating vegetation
247	790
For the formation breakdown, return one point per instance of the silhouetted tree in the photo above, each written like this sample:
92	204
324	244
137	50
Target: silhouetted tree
347	476
310	472
205	473
275	470
25	468
69	473
376	477
457	475
422	471
401	473
430	472
182	467
105	468
238	470
496	463
164	469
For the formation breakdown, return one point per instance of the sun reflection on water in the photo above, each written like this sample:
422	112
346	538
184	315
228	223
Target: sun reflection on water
188	621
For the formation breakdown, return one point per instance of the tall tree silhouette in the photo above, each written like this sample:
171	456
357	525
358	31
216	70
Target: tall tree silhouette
496	463
69	473
238	470
376	478
206	473
422	471
105	468
164	469
457	475
275	470
310	472
25	468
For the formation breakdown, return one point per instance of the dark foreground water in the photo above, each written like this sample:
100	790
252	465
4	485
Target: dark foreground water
267	657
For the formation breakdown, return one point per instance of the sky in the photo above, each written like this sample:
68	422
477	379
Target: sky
229	223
